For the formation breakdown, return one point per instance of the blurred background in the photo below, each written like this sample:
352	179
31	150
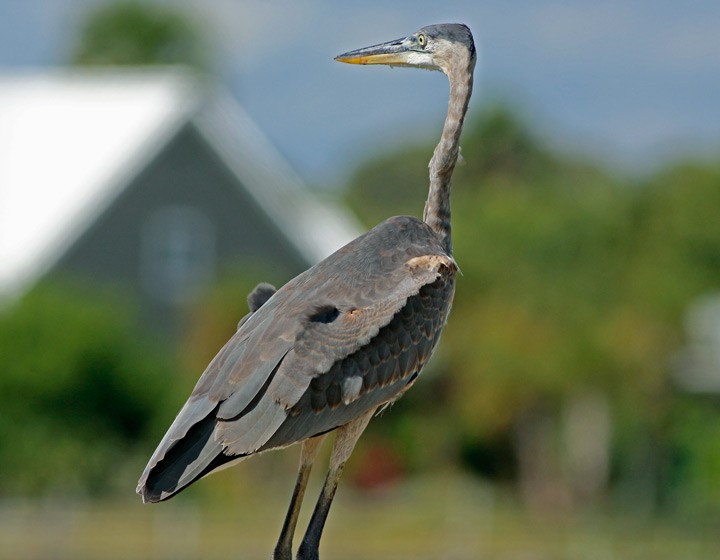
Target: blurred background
158	159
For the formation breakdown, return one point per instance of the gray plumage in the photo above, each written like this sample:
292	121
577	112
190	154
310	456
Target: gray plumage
348	336
292	345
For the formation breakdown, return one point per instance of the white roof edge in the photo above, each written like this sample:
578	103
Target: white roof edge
316	227
186	94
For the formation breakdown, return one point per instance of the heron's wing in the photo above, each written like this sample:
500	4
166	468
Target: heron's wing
323	338
240	369
315	320
377	373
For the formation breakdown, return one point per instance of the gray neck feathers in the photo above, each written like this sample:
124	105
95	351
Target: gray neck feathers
442	164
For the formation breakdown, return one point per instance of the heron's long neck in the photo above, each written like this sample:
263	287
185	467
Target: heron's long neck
442	164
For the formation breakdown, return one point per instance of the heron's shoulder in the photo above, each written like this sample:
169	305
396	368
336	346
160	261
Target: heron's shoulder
377	262
400	234
405	224
387	246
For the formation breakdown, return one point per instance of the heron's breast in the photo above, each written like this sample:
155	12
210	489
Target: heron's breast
396	354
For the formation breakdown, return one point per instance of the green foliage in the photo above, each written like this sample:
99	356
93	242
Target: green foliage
137	33
388	186
695	447
676	214
79	392
502	145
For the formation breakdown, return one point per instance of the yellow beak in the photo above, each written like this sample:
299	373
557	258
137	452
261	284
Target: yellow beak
391	53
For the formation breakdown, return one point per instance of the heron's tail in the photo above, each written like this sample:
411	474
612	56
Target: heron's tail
185	461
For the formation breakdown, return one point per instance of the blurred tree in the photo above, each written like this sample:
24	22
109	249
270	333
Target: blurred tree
500	147
214	317
572	296
676	213
390	185
80	393
140	33
502	144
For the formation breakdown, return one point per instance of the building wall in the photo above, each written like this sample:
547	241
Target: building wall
180	224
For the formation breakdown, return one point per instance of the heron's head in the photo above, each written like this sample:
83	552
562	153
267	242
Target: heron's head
435	47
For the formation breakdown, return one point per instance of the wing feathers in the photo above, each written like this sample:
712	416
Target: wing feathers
249	394
247	434
177	463
250	388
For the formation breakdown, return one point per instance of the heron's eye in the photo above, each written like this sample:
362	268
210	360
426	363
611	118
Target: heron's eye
422	40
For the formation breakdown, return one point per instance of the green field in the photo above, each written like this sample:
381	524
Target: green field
448	518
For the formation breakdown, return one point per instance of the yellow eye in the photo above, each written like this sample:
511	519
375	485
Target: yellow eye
422	40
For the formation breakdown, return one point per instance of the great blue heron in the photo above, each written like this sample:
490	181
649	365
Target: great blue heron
341	340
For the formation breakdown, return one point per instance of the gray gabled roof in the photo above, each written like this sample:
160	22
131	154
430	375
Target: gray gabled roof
72	140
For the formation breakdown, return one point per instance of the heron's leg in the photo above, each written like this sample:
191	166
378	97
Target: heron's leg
308	453
345	441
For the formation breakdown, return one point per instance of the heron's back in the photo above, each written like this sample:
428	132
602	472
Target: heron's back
378	373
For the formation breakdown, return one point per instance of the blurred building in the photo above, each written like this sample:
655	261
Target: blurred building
150	180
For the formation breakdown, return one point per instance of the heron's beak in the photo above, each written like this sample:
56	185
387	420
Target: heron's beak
393	53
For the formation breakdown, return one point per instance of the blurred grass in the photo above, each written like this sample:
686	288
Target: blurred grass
439	517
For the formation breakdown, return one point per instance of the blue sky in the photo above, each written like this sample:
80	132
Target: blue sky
636	82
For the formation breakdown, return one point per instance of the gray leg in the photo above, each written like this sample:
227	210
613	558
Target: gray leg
345	441
308	453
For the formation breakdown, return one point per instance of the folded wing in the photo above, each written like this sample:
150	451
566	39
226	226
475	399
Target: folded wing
315	321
